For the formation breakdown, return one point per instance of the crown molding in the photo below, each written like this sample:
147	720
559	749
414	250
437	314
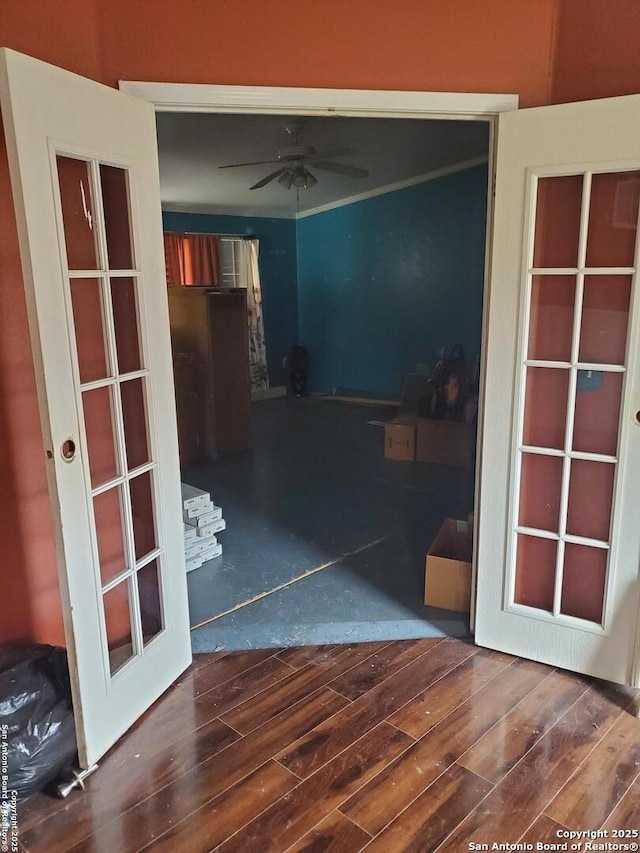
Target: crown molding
398	185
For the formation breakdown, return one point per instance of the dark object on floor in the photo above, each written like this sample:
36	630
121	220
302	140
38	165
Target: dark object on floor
299	366
451	377
35	708
417	388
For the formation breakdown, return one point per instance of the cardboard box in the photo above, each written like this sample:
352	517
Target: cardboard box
447	577
445	442
400	439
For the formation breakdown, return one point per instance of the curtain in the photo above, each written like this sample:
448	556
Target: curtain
192	259
201	264
257	349
174	258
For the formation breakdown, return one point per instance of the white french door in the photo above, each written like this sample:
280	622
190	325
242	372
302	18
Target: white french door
559	526
84	173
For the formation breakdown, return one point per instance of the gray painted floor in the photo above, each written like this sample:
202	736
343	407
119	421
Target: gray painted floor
315	491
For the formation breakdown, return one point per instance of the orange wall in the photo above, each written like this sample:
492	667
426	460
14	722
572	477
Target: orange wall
63	32
597	50
456	45
517	46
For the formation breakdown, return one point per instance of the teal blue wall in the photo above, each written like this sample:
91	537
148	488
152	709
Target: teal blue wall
386	282
278	275
379	286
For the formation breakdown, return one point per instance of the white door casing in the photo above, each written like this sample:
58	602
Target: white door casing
591	139
51	116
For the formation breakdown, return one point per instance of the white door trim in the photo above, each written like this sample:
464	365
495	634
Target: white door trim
50	112
561	139
464	106
201	98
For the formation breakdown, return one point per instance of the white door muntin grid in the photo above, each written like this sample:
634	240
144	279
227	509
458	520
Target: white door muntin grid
573	366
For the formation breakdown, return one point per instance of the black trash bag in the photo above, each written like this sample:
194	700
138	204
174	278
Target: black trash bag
36	716
298	361
450	387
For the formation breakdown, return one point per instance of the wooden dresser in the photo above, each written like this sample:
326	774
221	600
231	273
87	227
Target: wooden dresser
210	345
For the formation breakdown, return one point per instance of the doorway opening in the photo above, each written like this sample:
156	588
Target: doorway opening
326	538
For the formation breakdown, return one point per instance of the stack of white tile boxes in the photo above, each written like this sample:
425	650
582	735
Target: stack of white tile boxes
202	520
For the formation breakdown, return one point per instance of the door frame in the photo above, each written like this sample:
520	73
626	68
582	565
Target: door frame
359	103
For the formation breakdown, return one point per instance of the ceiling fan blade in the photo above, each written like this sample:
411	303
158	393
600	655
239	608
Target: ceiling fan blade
268	179
255	163
332	152
340	169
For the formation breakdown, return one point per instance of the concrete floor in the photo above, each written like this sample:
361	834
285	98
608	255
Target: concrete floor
326	534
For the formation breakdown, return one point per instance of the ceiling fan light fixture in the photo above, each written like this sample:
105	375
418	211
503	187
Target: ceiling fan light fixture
302	179
292	161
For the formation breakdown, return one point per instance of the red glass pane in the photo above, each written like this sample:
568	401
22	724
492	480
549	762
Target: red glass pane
590	499
597	412
88	322
118	625
125	321
540	485
142	510
545	409
583	582
107	508
78	216
150	600
135	422
535	572
605	317
101	448
551	323
115	200
613	215
557	228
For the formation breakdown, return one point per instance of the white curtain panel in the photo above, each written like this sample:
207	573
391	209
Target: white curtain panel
257	348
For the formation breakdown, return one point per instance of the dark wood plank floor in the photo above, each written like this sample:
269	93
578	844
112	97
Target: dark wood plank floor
407	746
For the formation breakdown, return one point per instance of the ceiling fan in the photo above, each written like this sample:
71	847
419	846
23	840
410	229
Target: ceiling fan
295	159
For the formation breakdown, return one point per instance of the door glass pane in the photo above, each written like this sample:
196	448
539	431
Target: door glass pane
613	215
150	603
135	422
125	320
597	412
583	582
535	571
78	216
557	229
545	409
144	532
551	323
118	623
107	508
115	200
605	317
590	499
101	442
89	325
540	483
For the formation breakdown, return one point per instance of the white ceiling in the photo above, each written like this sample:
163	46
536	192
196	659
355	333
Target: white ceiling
193	145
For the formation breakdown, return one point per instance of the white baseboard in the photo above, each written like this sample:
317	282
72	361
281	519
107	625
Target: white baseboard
271	394
362	401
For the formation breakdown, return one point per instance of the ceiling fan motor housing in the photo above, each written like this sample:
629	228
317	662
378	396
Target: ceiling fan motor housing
296	152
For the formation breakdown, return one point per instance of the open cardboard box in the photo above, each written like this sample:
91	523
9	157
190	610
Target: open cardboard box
400	439
447	581
445	442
